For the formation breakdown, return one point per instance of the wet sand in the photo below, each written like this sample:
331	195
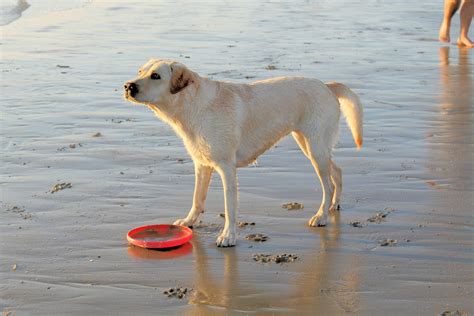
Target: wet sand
66	252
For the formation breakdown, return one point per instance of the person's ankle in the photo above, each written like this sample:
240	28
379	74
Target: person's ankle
444	32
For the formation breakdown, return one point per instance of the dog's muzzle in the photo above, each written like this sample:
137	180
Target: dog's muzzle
131	89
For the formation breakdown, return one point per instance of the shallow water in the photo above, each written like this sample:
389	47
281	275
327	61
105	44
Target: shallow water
61	79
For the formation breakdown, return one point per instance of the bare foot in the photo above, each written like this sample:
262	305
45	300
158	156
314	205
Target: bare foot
444	32
465	41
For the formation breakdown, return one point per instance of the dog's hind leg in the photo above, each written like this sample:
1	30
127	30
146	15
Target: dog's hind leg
300	140
202	179
320	157
336	174
336	179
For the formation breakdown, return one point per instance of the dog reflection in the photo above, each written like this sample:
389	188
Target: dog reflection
327	280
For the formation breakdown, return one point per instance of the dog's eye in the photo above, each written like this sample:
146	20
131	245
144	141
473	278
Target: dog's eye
155	76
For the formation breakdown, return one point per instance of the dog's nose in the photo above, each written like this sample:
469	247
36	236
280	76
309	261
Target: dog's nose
131	88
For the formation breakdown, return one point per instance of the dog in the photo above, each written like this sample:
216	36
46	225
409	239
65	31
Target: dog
227	125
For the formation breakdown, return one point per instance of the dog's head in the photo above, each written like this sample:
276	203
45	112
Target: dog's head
158	81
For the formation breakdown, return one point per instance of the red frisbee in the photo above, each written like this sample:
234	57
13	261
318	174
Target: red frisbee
159	236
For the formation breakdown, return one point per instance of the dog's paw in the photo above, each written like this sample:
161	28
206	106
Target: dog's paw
226	239
317	221
334	207
184	222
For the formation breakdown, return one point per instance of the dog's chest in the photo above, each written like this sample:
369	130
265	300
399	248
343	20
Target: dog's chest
199	149
196	145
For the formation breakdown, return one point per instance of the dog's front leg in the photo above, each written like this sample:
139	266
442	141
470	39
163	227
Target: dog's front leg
228	174
202	178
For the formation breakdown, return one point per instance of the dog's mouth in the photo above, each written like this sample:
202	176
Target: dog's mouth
133	99
129	97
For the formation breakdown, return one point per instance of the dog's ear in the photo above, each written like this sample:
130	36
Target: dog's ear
181	77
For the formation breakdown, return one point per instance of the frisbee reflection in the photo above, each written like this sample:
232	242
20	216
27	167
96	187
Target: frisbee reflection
162	254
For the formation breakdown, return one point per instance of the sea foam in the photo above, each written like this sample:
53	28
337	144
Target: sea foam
11	10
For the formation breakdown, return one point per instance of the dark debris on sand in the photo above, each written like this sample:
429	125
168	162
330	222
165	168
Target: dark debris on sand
178	292
356	224
70	146
21	211
455	313
61	186
257	237
243	224
293	206
380	216
264	258
388	242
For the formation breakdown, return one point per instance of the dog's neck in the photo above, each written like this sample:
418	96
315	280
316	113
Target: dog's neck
181	107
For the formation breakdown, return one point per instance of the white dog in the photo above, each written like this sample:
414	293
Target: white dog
226	125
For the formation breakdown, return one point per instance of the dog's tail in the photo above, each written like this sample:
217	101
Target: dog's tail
351	109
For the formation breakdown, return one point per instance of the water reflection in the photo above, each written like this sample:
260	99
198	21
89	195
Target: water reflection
325	280
209	290
329	282
451	141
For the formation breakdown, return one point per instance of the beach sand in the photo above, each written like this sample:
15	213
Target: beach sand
65	253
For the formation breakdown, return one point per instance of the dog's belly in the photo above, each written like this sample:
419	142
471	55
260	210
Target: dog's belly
263	128
254	145
244	158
